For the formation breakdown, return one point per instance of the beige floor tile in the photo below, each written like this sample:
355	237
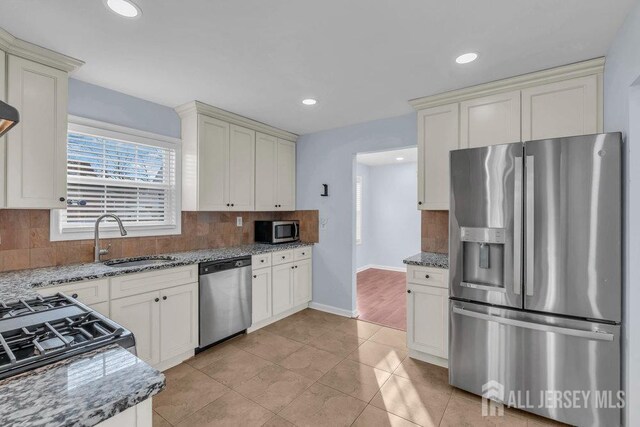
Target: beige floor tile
158	421
537	421
278	421
412	400
364	330
213	354
236	368
462	412
310	362
379	356
187	391
321	406
374	417
392	337
337	343
230	410
297	330
318	317
274	387
417	370
267	345
355	379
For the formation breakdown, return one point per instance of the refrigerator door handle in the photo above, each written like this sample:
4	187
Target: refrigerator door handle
592	335
517	227
530	224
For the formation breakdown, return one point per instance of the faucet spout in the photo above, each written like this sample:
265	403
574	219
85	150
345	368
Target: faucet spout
96	234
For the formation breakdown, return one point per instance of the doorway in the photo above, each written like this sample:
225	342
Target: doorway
387	231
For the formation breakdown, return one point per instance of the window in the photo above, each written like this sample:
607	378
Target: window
358	210
130	173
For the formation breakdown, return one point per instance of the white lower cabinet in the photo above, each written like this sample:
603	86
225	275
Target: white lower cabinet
282	281
261	295
140	415
428	315
178	320
302	282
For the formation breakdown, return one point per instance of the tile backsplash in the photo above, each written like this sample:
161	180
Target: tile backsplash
435	231
24	237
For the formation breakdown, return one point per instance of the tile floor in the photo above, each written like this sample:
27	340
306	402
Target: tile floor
317	369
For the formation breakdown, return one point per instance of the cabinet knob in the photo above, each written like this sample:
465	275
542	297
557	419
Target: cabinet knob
157	299
283	257
232	204
261	260
228	204
275	206
292	267
408	291
62	199
164	298
426	276
419	203
255	277
74	295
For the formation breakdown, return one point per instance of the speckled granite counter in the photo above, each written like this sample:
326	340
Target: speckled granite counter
24	283
429	259
80	391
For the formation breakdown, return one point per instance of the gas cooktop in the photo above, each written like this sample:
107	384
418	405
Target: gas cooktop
43	330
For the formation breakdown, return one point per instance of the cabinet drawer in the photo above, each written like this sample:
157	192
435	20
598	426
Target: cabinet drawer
427	276
137	283
88	292
260	261
282	257
302	253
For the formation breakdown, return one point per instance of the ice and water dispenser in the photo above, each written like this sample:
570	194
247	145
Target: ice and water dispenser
483	251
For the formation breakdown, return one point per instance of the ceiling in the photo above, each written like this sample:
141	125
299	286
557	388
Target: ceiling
361	59
407	155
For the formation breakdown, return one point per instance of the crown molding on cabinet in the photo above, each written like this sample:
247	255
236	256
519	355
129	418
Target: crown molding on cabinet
30	51
578	69
197	107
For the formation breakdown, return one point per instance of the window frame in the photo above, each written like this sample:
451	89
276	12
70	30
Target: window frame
359	182
111	131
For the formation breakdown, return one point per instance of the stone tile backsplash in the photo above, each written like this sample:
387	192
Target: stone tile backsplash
435	231
24	237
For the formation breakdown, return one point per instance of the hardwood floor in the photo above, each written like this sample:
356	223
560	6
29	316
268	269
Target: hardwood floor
381	297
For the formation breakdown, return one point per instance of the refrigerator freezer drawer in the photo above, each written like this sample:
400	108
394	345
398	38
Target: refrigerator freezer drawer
535	358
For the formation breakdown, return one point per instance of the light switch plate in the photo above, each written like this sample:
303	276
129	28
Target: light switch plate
239	221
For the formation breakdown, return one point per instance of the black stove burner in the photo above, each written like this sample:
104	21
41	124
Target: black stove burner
25	310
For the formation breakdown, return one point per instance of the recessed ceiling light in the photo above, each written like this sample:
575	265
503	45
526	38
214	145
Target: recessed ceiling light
465	58
124	8
309	101
399	159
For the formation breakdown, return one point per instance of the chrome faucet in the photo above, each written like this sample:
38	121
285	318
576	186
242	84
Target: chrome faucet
96	236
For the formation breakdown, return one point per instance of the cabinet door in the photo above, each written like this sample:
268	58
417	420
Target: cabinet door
213	164
261	295
102	308
437	135
178	320
490	120
242	151
559	109
37	146
427	320
286	189
141	315
282	292
302	282
266	172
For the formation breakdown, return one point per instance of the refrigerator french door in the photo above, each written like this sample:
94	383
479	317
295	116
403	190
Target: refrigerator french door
535	273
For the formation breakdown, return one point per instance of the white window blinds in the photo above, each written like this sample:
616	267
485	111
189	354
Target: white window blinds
358	210
133	180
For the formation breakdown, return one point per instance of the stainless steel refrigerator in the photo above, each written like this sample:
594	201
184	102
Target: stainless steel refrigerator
535	275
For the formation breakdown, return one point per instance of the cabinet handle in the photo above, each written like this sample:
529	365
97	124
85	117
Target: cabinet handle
275	206
426	276
419	203
228	204
157	299
74	295
292	267
62	199
303	253
255	277
261	260
408	291
283	257
164	298
232	204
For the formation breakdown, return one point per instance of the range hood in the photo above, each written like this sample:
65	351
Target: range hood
9	117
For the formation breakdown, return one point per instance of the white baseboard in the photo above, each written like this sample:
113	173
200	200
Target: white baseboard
174	361
333	310
434	360
277	317
382	267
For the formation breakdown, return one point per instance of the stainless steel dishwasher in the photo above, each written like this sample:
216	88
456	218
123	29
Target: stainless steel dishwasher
225	299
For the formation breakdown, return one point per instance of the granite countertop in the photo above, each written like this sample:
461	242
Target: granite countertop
429	259
80	391
23	284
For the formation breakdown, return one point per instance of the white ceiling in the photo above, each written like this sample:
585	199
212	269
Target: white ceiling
380	158
361	59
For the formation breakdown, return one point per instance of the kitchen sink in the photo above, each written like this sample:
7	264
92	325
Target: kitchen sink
138	262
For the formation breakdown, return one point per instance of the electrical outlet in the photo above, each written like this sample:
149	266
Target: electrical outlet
239	221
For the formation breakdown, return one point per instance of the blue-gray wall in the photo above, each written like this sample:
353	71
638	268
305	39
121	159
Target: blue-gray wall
98	103
392	231
622	113
328	157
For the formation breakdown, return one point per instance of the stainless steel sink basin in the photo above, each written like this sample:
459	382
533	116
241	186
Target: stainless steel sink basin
138	262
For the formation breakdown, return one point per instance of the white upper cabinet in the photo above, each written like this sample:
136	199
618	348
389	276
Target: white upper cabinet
37	146
490	120
564	108
231	163
553	103
437	135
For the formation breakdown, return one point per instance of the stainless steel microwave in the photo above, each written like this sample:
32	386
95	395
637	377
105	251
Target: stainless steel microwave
277	231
